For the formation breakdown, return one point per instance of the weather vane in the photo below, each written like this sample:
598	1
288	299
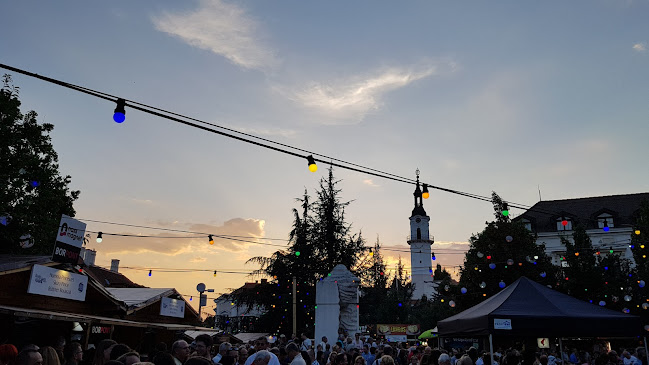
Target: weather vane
417	171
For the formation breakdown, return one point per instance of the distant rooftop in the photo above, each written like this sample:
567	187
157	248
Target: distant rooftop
111	279
623	208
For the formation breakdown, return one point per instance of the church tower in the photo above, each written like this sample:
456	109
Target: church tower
420	242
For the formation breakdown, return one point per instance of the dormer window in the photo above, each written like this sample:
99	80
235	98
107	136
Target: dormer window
564	224
605	219
527	224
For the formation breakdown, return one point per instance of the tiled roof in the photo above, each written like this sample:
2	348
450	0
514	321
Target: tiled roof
111	279
544	214
16	262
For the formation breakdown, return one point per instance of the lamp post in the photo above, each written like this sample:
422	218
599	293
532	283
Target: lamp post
202	297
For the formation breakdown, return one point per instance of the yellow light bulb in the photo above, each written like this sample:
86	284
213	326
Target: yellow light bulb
425	195
311	162
641	246
637	231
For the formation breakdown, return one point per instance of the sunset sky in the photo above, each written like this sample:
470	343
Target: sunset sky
520	98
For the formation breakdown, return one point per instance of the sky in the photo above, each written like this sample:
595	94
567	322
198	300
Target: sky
529	99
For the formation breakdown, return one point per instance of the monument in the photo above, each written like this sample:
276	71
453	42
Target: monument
336	304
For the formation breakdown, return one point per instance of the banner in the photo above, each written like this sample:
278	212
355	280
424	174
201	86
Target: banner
57	283
397	332
398	329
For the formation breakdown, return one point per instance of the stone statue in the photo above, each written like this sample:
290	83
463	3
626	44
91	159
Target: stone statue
337	305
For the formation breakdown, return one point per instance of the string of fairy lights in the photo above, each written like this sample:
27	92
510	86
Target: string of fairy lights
311	158
119	116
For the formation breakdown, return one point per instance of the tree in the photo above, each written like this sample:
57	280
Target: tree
497	256
397	304
582	277
374	289
33	195
319	240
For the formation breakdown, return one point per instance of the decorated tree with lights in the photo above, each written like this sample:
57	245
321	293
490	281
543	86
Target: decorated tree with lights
497	256
640	240
33	195
582	273
319	240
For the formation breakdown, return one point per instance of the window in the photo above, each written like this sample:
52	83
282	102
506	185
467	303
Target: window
561	226
605	218
527	224
418	233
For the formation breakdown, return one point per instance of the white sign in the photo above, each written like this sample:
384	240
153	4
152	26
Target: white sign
543	343
71	231
172	307
57	283
502	324
396	338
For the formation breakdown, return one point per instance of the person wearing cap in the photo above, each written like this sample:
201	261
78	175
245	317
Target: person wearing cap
261	344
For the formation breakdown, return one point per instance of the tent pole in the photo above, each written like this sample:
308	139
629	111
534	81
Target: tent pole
646	353
491	348
561	351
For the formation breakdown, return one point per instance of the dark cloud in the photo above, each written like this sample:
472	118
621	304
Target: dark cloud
253	229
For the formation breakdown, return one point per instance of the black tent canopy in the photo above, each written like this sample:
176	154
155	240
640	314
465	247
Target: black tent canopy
527	308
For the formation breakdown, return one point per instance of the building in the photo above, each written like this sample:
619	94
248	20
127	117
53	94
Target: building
235	317
42	300
420	242
608	221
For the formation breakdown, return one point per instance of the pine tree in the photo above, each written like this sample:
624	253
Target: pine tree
374	289
33	194
582	277
319	240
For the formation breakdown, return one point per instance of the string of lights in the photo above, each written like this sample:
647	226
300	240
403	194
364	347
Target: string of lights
120	113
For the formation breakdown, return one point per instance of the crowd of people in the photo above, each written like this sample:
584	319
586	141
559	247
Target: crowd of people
347	350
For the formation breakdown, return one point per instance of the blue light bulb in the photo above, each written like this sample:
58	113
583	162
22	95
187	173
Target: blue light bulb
119	117
606	228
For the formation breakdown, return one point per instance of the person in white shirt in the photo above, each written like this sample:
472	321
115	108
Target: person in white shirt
261	345
306	343
324	343
357	342
629	359
293	353
223	349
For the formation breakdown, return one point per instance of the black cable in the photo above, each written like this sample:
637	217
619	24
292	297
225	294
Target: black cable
159	112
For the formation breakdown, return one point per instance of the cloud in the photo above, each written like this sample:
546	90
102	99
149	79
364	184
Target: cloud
142	201
249	229
222	28
350	100
371	183
198	259
640	47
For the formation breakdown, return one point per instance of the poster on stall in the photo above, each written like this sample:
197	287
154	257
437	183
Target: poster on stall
69	239
57	283
172	307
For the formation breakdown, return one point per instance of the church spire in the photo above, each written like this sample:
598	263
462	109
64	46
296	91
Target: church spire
419	204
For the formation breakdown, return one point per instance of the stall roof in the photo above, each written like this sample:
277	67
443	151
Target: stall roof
527	308
13	263
194	334
140	297
245	337
62	316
